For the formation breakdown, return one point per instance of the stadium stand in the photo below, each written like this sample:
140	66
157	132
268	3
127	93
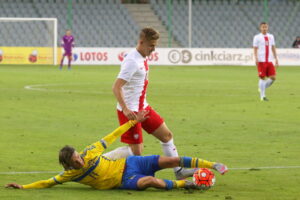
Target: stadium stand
96	24
109	23
230	23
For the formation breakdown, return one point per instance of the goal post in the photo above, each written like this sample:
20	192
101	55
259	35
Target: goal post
28	40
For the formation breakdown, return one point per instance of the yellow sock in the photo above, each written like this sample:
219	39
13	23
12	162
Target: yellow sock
189	162
200	163
178	183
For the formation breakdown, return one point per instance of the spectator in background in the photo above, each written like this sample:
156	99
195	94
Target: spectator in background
296	43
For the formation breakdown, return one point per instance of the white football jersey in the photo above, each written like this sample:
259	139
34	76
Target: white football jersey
134	70
264	44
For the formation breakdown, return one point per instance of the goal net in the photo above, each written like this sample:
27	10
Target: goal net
28	41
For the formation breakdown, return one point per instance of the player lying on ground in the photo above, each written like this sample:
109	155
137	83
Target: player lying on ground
91	168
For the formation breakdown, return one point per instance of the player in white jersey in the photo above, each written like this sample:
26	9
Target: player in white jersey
130	91
264	52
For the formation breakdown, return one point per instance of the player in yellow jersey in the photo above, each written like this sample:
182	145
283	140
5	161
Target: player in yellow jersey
91	168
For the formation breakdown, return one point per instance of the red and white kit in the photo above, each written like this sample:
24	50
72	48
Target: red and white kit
265	57
135	71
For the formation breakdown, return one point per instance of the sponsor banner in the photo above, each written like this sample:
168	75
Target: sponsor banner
26	55
181	56
162	56
93	56
289	57
209	56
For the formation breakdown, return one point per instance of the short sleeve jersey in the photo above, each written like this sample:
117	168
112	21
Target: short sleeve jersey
134	70
264	44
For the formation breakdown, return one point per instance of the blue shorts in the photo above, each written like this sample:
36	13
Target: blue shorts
138	167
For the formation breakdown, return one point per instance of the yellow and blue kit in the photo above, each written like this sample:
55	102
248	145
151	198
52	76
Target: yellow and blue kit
98	171
138	167
101	172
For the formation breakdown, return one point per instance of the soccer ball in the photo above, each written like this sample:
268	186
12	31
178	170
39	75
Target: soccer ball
204	178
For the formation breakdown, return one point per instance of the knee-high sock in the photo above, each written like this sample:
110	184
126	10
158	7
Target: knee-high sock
262	87
69	63
190	162
121	152
269	82
170	150
170	184
62	61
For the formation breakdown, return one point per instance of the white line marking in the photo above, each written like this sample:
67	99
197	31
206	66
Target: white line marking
33	172
39	87
238	168
258	168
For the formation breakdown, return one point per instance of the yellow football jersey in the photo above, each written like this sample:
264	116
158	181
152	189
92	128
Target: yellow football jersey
98	171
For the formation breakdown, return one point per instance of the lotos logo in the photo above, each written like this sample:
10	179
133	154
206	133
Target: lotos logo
75	56
93	56
122	55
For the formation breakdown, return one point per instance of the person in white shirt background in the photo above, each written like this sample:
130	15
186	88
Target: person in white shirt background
264	53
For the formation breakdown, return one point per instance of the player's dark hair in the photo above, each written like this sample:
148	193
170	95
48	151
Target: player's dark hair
263	23
65	155
149	34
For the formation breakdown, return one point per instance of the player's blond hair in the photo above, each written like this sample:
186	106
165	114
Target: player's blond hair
149	34
65	155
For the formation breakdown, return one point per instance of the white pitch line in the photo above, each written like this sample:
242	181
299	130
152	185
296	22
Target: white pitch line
32	172
39	87
241	168
274	167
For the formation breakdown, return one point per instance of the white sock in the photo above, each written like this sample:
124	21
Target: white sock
170	150
121	152
269	82
262	87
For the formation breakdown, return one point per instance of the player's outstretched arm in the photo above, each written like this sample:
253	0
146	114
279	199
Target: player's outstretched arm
117	90
255	55
275	55
36	185
105	142
255	48
14	185
110	138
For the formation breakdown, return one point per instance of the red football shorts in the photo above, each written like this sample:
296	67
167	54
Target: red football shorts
134	135
266	69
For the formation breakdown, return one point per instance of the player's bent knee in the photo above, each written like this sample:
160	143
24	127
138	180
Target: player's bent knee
168	162
167	137
145	182
172	161
175	160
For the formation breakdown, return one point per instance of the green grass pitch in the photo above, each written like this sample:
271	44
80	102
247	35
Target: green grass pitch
214	113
